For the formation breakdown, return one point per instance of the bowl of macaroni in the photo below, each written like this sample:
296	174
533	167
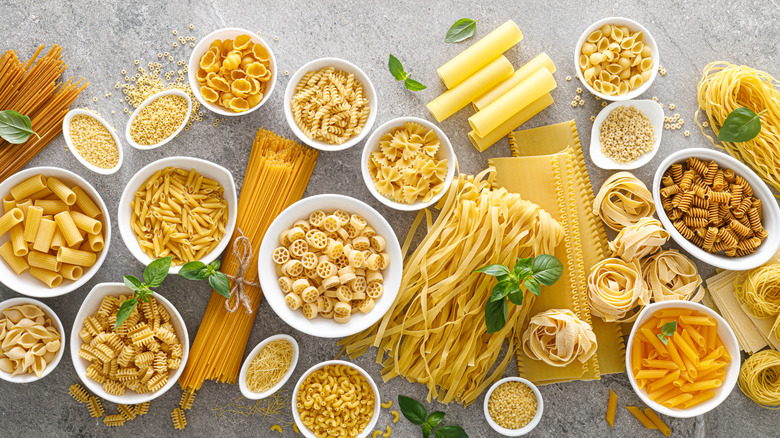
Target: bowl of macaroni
54	234
363	409
47	351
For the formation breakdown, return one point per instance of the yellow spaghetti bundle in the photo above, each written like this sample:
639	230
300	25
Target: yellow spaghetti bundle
725	87
759	378
435	332
759	289
276	176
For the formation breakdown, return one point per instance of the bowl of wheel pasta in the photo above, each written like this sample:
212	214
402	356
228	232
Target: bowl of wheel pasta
54	232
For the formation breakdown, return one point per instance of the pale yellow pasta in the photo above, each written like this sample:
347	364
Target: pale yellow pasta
44	261
611	58
16	263
32	222
29	340
51	206
96	242
16	235
68	228
71	272
45	235
86	223
76	257
28	187
49	278
10	219
85	203
62	191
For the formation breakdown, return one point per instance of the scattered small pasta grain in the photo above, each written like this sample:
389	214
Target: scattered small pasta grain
592	118
512	405
687	133
579	90
671	106
387	404
568	78
159	120
396	416
604	104
626	134
93	141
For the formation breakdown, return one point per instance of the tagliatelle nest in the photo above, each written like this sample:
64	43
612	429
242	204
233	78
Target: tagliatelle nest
615	288
558	337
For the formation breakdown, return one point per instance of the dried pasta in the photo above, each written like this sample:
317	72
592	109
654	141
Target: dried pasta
28	339
758	378
615	60
269	366
671	276
558	337
759	289
178	418
639	240
616	289
623	200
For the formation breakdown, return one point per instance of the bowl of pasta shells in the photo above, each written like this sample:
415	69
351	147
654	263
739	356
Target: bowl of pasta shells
408	163
330	266
616	59
54	232
139	360
32	340
330	104
683	358
232	71
717	209
351	406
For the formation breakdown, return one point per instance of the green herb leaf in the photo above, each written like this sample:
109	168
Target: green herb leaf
124	311
413	85
496	313
461	30
156	271
132	283
205	273
396	68
451	432
435	418
15	128
502	289
516	297
523	267
547	269
412	409
742	124
533	286
215	264
426	430
220	283
191	270
669	328
662	338
494	270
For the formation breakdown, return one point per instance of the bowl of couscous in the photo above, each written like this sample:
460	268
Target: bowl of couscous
159	119
92	141
513	406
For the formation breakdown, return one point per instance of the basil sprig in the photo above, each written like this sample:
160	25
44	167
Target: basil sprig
15	128
415	412
397	70
154	274
462	29
201	271
667	331
740	125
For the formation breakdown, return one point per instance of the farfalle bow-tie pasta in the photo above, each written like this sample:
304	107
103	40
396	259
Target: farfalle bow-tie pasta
558	338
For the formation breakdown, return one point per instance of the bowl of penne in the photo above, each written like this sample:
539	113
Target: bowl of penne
54	232
178	206
683	358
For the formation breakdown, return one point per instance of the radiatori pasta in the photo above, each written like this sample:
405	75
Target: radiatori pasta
29	340
615	60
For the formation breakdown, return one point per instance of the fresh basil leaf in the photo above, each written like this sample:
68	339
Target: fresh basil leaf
523	267
124	311
435	418
413	85
15	128
220	283
396	69
156	271
451	432
191	270
494	270
740	125
215	264
547	269
516	297
533	286
461	30
669	328
662	338
496	313
502	289
132	283
412	409
426	430
204	274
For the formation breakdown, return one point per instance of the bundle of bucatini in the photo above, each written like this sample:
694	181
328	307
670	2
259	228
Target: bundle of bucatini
504	98
435	332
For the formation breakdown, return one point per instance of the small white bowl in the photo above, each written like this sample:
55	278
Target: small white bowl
72	148
726	335
446	152
528	427
205	168
151	99
55	321
651	109
26	284
91	305
321	327
769	208
340	65
203	46
633	26
244	368
305	430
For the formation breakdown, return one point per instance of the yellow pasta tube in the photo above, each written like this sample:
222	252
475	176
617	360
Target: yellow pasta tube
668	379
10	219
611	408
68	228
699	398
76	257
44	261
85	203
702	385
86	223
58	240
32	222
449	102
481	53
16	263
96	242
62	191
674	401
650	374
9	203
50	278
686	349
641	417
51	206
520	117
71	272
541	61
500	110
27	187
45	235
17	240
658	422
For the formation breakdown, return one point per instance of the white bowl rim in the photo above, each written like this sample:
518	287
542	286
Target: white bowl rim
255	351
31	377
72	148
732	371
178	161
75	346
628	22
339	64
373	139
770	209
150	99
601	160
88	272
531	424
270	285
194	62
305	430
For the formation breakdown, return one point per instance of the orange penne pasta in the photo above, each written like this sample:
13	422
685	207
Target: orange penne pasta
651	374
702	385
641	417
660	392
674	401
666	380
657	363
690	331
658	422
611	408
698	320
671	313
686	349
701	397
653	340
674	354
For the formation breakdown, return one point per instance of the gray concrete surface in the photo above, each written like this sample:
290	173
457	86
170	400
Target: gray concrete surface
102	38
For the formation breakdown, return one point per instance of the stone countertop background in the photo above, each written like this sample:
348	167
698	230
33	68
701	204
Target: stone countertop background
102	38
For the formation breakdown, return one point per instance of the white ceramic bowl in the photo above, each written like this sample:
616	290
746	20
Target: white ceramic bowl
245	367
726	335
372	145
340	65
91	305
26	284
769	208
205	168
149	100
72	148
305	430
528	427
649	108
55	321
203	46
633	26
321	327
